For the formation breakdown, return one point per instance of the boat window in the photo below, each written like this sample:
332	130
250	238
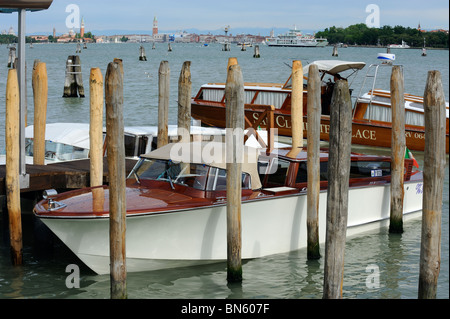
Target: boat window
213	94
130	145
57	151
271	98
302	173
142	147
192	175
278	176
217	180
360	169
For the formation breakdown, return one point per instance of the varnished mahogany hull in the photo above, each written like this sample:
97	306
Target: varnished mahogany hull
179	237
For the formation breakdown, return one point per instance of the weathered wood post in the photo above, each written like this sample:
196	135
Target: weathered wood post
70	85
163	104
184	103
11	56
116	169
234	139
297	109
96	127
73	83
40	93
256	54
12	166
335	51
169	47
433	184
231	61
142	56
398	149
313	162
337	197
78	75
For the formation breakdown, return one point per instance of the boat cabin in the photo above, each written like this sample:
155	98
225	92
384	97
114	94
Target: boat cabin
276	94
199	169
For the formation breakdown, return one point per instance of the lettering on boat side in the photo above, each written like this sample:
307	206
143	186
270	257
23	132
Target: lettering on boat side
373	279
238	308
365	134
73	280
282	122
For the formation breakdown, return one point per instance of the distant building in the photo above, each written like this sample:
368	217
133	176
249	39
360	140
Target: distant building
40	38
155	26
11	31
82	28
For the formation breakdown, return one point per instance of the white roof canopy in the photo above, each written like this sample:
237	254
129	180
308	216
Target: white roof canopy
335	66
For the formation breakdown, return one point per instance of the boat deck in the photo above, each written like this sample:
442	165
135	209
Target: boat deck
62	175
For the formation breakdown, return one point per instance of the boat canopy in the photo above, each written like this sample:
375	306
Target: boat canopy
208	153
334	67
9	6
76	134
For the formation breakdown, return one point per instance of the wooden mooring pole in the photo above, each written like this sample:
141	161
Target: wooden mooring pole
335	51
12	166
296	109
433	184
96	127
11	57
40	93
313	162
398	149
142	56
337	197
163	103
116	169
73	84
184	103
234	139
256	54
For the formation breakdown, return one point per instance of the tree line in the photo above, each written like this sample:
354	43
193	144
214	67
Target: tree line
361	34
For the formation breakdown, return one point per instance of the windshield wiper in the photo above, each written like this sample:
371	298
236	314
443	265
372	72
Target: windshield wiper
137	177
170	181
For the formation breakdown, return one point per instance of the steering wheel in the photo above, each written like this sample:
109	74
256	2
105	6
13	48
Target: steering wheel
50	154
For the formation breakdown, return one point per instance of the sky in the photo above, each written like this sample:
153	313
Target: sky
132	15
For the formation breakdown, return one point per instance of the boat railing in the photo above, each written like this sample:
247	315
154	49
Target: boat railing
372	72
268	116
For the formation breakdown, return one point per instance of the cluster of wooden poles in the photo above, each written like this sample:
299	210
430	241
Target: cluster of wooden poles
339	172
339	162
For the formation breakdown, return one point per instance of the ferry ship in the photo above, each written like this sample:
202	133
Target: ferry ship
295	38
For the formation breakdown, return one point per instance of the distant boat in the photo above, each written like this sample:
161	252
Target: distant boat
399	46
295	38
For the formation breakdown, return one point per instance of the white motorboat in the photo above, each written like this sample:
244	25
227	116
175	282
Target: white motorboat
176	213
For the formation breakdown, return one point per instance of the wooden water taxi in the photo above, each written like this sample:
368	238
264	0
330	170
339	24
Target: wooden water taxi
371	121
176	206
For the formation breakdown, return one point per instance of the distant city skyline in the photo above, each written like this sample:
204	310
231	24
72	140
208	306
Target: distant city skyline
103	16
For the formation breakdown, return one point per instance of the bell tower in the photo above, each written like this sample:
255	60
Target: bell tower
155	26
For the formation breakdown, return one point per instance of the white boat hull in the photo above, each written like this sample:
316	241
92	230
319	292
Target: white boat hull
197	236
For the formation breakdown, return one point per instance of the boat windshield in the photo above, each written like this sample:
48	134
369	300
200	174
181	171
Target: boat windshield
55	151
188	174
